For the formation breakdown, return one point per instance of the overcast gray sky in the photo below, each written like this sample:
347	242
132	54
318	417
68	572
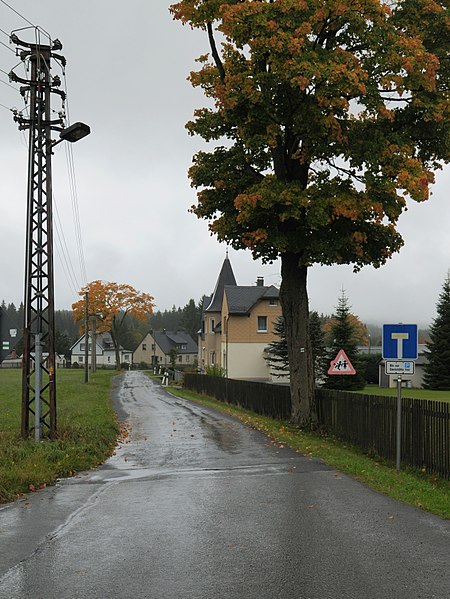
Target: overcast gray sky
127	64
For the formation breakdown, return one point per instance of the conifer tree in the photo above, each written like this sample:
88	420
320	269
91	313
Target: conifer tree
277	353
319	351
343	336
278	358
437	371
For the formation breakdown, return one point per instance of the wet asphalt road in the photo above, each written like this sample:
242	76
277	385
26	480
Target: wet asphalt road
196	506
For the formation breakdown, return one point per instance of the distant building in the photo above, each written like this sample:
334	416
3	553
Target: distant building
8	335
237	326
15	361
414	380
104	351
156	346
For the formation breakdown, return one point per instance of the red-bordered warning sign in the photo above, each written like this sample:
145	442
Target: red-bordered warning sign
341	364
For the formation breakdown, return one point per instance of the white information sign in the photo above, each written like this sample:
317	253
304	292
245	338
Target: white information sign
399	367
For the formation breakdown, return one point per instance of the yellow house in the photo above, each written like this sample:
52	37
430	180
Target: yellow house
237	326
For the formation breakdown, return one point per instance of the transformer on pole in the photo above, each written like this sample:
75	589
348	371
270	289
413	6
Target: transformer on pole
38	363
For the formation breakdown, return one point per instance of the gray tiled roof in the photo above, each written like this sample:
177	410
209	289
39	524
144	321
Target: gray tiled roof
176	337
241	298
226	277
168	340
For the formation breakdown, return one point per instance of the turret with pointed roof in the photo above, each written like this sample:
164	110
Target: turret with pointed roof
226	277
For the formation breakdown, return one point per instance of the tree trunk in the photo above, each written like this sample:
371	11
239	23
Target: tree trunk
115	341
294	302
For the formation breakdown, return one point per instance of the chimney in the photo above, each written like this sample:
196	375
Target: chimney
260	282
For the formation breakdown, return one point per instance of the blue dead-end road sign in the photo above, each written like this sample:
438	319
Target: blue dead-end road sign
400	341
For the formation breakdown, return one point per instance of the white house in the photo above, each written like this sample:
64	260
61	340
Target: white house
104	351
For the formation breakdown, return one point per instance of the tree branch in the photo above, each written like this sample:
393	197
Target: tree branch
215	53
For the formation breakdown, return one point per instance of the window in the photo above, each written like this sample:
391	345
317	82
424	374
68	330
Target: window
212	357
109	358
213	324
144	347
262	324
80	359
126	358
82	346
180	358
188	358
153	347
273	302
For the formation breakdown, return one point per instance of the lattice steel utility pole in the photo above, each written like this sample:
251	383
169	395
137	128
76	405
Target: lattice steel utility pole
38	365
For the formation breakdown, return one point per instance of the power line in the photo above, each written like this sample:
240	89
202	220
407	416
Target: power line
9	85
7	47
61	260
65	258
74	192
75	209
17	13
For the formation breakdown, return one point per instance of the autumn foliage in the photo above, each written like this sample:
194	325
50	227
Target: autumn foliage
110	303
327	118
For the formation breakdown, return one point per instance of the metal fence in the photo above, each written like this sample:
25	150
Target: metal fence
368	421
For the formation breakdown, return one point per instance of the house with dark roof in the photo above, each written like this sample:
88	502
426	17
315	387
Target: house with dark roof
237	326
104	351
155	349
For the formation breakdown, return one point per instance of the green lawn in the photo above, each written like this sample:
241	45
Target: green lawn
409	486
412	393
86	424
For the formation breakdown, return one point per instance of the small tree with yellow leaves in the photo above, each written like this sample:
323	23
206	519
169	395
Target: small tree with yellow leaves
110	303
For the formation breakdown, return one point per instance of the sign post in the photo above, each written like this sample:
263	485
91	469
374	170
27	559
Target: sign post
399	422
400	343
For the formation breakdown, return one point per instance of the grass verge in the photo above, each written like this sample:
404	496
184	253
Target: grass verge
409	486
429	394
87	432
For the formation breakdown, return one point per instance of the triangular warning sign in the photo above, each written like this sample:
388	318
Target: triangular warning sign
341	364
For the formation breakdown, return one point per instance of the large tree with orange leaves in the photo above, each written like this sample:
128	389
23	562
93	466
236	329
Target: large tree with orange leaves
333	115
110	303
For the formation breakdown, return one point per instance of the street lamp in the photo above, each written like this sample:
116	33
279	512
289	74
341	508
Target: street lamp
75	132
